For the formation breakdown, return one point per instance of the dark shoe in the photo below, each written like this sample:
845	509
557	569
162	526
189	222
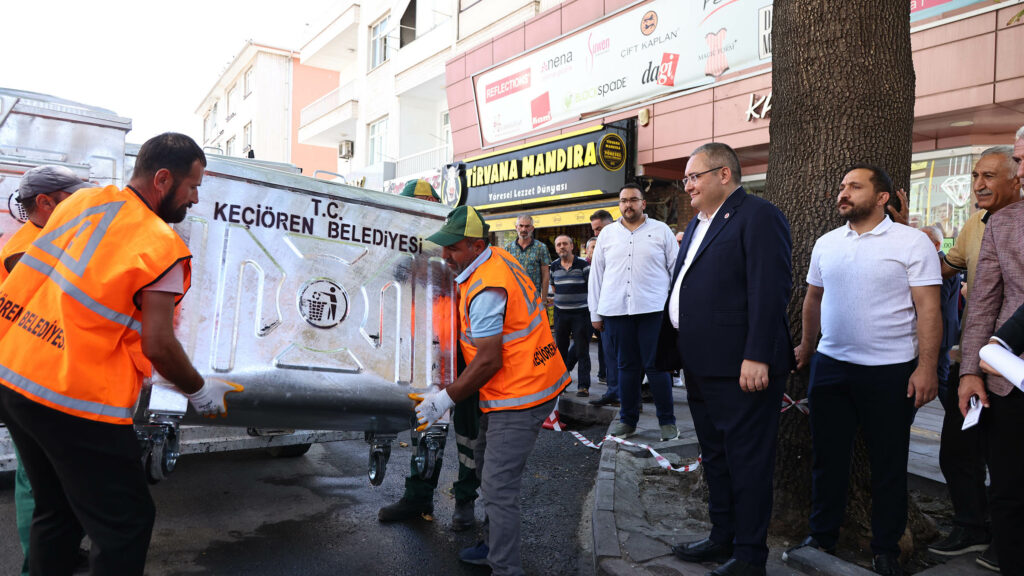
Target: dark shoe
961	540
647	397
809	542
735	567
887	565
464	516
475	554
988	559
605	401
583	392
602	379
404	510
703	551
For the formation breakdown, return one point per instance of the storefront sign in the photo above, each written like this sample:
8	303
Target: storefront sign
656	48
920	9
550	220
591	162
759	106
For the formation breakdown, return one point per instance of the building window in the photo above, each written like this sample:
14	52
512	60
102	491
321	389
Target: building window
232	102
207	128
247	138
248	82
446	137
379	43
229	148
210	124
376	140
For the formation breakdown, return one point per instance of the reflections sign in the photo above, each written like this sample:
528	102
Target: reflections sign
653	49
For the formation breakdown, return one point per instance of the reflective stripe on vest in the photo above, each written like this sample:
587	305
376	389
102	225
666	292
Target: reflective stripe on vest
77	293
59	399
72	337
532	370
512	402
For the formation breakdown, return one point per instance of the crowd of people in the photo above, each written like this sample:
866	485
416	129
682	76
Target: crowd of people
881	336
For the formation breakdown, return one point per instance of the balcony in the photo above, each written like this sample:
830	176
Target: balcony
331	118
335	46
433	159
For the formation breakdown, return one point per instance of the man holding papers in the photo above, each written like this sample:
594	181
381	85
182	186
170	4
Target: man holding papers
998	292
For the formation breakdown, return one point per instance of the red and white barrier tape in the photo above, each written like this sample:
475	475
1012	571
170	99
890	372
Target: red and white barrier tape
552	423
801	405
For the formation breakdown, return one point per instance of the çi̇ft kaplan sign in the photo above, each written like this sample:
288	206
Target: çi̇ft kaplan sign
656	48
591	162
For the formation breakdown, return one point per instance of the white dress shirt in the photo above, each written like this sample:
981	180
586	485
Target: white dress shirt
631	270
703	223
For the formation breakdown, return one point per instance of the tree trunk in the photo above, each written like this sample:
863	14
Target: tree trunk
843	92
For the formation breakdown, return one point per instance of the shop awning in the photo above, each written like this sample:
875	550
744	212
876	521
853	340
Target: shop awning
551	216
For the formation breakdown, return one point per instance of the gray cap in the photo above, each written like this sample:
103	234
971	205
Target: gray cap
47	179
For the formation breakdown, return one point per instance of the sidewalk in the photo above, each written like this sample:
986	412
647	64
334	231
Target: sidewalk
638	513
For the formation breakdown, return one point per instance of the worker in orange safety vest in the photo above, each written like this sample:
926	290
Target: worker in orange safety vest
38	194
512	360
85	316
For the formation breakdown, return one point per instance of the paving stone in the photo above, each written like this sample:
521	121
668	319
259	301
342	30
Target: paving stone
814	562
619	567
640	548
604	495
672	566
606	536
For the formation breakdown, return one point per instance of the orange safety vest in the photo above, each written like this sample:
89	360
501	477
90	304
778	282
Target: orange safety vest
70	322
17	245
532	371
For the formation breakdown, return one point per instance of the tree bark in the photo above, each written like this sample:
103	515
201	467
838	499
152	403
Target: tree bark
843	92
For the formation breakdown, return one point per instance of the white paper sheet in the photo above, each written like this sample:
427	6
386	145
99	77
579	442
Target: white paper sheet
1004	362
973	413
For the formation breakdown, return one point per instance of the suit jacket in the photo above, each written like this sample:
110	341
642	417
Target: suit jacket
949	300
998	289
732	301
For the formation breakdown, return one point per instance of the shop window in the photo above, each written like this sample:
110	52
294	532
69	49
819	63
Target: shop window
940	192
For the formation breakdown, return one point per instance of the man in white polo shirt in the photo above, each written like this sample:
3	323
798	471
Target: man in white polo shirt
873	290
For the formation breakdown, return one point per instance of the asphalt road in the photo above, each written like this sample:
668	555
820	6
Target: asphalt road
246	513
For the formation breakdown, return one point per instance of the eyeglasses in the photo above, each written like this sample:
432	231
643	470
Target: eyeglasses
692	178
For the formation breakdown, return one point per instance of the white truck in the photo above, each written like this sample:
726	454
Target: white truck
323	301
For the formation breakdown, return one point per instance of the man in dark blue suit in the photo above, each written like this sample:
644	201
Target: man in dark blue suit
726	328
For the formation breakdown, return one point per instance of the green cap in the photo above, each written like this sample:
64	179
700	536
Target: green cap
463	222
420	189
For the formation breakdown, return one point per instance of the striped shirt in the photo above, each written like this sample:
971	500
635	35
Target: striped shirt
570	285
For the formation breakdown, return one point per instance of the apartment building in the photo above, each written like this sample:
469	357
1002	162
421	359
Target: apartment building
253	108
387	116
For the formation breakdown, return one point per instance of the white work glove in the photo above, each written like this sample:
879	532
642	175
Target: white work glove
209	400
431	407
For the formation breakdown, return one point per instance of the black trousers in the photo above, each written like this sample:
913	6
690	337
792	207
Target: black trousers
85	475
575	325
738	434
1003	426
962	459
841	397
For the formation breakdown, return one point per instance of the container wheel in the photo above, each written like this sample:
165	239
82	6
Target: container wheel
378	467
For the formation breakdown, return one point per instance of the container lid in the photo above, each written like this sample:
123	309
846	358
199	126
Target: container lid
34	103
